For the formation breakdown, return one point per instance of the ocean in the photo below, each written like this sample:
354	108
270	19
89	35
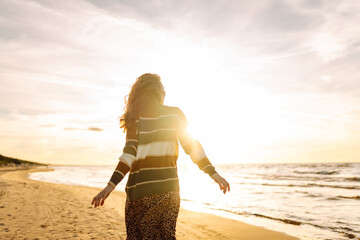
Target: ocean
310	201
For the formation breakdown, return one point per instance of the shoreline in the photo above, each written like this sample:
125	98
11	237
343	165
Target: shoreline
57	210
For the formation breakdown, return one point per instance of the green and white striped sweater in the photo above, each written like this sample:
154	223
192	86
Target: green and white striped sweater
151	151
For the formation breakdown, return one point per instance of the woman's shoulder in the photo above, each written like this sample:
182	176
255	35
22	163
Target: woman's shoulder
171	110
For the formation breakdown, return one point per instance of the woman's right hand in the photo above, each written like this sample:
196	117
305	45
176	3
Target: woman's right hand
224	185
100	198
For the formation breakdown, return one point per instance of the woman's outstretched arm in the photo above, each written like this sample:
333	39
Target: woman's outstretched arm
197	154
123	167
126	159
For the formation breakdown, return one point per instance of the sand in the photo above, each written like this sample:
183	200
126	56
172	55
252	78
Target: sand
31	209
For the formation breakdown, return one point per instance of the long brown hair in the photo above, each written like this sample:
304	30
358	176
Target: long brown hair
147	91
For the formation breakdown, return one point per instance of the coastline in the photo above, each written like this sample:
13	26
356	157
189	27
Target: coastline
35	209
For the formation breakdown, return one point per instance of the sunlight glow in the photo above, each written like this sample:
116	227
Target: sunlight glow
327	46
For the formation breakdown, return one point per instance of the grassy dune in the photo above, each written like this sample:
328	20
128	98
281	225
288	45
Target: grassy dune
8	161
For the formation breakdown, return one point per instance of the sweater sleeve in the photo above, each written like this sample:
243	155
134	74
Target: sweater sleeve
193	147
127	157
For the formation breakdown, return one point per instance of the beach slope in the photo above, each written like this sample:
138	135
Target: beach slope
38	210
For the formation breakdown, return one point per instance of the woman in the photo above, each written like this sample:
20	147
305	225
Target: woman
153	131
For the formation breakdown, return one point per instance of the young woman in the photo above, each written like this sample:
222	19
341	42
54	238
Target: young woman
153	131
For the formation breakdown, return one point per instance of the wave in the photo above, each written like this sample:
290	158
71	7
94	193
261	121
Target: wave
352	197
285	220
299	185
326	176
309	185
353	179
333	198
348	235
344	165
317	172
289	221
343	231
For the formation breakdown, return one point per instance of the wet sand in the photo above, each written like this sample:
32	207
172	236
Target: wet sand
32	209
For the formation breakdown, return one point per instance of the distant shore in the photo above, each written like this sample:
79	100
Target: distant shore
34	209
15	162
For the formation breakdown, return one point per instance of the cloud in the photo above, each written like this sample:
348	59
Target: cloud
71	128
233	21
96	129
284	17
47	125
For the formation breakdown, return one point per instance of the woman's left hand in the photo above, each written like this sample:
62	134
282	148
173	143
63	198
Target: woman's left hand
224	185
100	198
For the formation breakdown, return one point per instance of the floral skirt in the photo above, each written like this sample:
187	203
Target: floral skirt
153	216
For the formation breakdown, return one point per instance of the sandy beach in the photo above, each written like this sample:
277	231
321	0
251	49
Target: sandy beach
38	210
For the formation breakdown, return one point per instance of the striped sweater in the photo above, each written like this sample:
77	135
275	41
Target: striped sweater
151	151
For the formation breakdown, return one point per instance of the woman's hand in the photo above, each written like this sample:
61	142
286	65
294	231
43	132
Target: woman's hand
224	185
100	198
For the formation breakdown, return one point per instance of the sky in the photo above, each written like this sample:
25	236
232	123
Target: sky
259	81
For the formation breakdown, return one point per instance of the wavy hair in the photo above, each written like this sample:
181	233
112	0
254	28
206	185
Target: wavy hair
147	91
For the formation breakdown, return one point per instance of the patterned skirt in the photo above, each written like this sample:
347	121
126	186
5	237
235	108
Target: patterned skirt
153	216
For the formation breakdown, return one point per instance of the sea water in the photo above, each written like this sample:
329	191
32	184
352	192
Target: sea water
310	201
